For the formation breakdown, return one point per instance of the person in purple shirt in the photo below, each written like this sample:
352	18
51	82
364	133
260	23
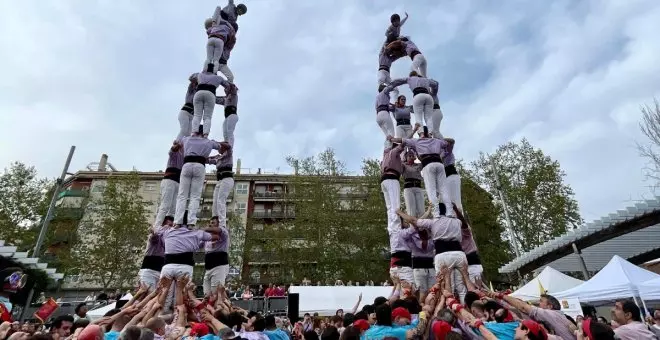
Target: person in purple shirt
423	253
384	64
196	150
229	12
219	33
204	99
453	182
391	168
154	257
413	194
169	185
394	30
422	101
230	102
436	114
216	259
405	45
226	53
429	151
401	113
225	182
186	113
383	108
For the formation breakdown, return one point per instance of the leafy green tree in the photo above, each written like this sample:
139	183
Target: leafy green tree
23	202
237	239
541	205
113	233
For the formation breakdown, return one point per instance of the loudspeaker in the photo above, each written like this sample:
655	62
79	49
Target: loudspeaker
293	310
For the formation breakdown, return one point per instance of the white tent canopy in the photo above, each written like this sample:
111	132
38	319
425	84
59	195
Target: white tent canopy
98	313
650	290
617	280
550	280
325	300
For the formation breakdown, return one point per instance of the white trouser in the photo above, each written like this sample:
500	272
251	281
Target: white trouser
414	198
220	194
403	131
403	273
384	78
434	182
392	194
167	206
215	277
191	185
419	65
385	122
436	119
185	124
224	69
424	279
453	184
475	271
228	127
422	104
204	104
175	271
149	277
214	48
453	260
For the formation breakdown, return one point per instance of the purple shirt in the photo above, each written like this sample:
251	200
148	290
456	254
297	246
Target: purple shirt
410	47
175	159
221	245
398	242
402	112
434	92
416	244
155	244
383	97
223	29
229	10
467	241
192	88
230	99
392	160
198	146
225	160
183	240
443	228
448	154
412	171
415	82
426	146
209	78
384	60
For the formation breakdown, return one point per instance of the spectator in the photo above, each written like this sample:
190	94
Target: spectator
81	312
102	297
90	297
247	294
62	326
306	282
271	331
627	315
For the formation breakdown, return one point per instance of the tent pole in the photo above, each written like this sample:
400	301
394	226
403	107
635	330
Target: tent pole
577	252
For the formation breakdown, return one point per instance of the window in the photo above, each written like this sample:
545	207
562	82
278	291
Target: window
242	188
240	208
150	187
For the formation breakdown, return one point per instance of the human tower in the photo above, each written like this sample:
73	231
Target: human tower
420	246
174	238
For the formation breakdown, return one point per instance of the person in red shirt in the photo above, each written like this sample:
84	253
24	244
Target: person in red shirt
269	291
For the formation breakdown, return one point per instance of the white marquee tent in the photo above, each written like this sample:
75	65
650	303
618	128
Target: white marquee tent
325	300
617	280
650	290
550	280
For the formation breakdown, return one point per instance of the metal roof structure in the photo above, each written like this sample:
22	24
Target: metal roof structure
9	251
633	233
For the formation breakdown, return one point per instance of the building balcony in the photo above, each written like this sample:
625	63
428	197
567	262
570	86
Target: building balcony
268	195
207	214
73	193
273	214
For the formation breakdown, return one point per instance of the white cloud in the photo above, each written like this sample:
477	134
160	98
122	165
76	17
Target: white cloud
110	77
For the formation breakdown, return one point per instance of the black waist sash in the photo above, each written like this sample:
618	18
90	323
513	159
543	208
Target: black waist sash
222	173
413	54
153	262
450	170
195	159
230	110
419	90
384	68
422	263
214	259
411	183
382	108
188	107
180	258
443	246
173	174
403	258
436	106
390	175
403	121
222	61
473	258
207	87
430	158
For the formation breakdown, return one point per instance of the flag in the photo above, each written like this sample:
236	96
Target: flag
541	289
46	310
491	286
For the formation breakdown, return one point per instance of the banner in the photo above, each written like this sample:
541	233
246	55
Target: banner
571	307
46	310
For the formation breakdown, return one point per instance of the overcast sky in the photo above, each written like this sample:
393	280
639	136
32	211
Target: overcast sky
109	76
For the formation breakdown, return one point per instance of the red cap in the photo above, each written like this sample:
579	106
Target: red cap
441	329
401	312
199	329
361	324
535	328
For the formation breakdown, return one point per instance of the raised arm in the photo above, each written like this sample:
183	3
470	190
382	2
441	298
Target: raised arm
398	82
410	219
404	20
357	304
220	100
